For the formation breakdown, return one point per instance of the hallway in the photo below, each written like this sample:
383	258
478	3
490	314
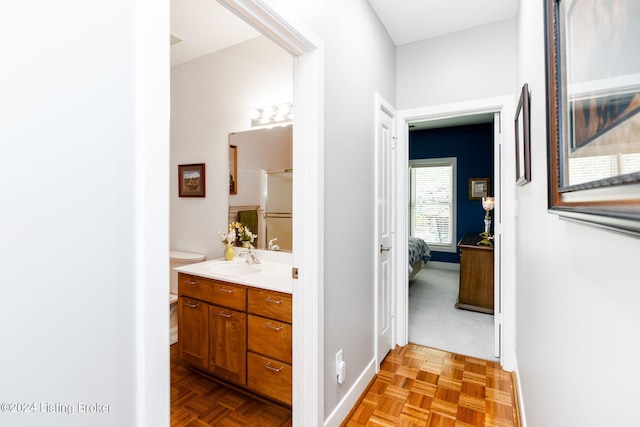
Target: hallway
420	386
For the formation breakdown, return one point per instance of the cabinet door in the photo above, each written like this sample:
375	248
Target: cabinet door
193	332
228	344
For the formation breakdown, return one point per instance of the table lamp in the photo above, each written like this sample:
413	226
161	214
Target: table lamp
487	203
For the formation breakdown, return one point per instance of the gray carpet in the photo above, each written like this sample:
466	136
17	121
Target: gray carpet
435	322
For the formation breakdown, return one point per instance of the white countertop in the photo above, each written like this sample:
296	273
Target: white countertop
274	273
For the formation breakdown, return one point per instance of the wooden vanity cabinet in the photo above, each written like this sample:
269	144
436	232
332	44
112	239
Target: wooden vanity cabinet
237	333
269	344
212	327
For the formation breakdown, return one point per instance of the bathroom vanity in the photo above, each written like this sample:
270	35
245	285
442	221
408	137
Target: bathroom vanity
234	322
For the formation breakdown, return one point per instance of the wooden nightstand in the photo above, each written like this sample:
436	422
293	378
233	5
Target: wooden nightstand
476	275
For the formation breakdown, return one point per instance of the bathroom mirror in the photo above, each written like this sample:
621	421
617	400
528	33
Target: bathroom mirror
263	184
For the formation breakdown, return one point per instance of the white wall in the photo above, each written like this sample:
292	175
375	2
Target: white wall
359	60
577	288
210	98
472	64
70	241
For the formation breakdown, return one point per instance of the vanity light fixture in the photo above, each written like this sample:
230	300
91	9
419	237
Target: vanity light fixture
272	115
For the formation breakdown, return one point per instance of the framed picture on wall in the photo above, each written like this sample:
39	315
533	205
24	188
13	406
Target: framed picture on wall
479	188
593	113
233	169
523	145
191	180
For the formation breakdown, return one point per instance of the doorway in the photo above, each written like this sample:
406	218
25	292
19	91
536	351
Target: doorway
504	242
446	157
306	49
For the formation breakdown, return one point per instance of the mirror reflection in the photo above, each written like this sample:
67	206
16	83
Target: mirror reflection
263	185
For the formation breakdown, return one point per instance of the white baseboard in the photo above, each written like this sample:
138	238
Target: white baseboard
351	398
521	412
443	265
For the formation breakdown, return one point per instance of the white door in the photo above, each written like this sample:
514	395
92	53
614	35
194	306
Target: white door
497	238
384	228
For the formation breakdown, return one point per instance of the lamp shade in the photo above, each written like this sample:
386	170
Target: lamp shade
488	203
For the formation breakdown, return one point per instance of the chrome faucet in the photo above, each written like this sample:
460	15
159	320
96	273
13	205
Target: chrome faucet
252	255
272	246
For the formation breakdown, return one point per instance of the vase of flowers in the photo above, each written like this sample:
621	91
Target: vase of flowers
236	232
244	235
228	238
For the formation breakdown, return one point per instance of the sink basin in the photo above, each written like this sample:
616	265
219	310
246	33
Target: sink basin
233	269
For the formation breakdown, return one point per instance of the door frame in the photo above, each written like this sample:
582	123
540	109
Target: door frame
383	107
283	28
152	98
504	225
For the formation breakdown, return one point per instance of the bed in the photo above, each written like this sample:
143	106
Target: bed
419	254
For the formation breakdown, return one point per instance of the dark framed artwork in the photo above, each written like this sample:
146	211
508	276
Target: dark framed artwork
233	169
523	133
479	188
593	112
191	180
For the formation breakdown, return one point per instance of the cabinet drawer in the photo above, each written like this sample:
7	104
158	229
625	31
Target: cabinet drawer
212	291
270	338
269	377
274	305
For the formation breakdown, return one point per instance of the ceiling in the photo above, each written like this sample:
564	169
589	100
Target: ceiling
205	26
409	21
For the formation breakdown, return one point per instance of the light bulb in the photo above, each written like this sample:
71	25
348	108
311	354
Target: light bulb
254	114
267	112
283	110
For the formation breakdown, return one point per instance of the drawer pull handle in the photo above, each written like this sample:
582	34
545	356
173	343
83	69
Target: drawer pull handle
191	282
223	314
275	328
191	304
268	366
275	301
229	291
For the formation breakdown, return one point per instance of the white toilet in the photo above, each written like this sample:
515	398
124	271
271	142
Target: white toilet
177	258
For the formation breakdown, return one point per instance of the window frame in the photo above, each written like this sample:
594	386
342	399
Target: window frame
434	162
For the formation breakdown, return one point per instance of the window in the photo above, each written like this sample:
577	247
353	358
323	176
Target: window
432	207
593	168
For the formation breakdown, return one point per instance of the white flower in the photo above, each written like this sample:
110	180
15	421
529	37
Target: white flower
237	231
229	237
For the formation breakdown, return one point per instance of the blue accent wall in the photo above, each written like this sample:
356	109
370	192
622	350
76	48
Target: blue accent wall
472	145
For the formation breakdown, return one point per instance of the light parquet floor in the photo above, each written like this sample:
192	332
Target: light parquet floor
197	401
421	386
416	386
